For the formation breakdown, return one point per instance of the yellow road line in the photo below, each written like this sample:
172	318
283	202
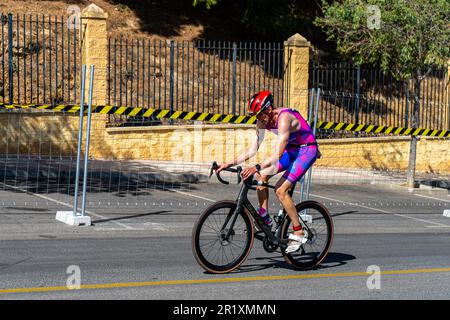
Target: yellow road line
221	280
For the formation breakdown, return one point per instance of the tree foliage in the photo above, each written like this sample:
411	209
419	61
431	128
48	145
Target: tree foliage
208	3
406	38
411	36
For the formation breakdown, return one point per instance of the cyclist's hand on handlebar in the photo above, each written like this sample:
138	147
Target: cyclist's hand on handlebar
247	172
223	166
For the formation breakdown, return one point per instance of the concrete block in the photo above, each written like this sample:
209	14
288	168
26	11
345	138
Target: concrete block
68	218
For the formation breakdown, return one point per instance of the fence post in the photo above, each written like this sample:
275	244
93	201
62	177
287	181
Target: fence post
316	112
10	58
296	66
171	77
358	84
80	140
234	79
95	49
72	217
310	114
88	135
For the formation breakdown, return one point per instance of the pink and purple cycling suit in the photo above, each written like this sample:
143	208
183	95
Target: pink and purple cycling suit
301	150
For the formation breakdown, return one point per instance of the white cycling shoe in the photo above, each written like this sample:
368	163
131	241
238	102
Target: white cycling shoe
296	242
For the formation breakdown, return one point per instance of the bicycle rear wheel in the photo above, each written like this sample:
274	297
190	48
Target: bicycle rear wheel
212	250
313	252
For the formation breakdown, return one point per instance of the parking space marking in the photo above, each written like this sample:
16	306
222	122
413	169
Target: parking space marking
190	195
353	204
437	226
421	195
380	210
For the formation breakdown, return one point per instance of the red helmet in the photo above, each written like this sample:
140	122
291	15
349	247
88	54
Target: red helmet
259	102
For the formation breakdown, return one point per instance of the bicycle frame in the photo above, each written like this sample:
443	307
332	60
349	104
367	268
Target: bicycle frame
243	202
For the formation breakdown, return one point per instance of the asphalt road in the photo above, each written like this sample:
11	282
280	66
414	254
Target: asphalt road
139	248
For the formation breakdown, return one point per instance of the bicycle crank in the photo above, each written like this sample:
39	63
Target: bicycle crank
269	246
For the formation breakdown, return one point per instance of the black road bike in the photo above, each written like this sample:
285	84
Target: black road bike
224	233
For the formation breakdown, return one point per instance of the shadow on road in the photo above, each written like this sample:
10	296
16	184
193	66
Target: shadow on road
333	260
131	216
119	178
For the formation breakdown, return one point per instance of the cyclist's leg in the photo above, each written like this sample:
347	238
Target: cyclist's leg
264	176
302	160
262	192
282	191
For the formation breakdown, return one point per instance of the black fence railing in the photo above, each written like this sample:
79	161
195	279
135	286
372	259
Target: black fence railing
363	94
40	62
39	59
200	76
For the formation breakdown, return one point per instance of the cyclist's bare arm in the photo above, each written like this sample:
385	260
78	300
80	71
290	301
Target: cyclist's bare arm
250	152
283	138
284	125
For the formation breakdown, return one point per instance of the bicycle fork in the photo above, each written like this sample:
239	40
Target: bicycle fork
241	204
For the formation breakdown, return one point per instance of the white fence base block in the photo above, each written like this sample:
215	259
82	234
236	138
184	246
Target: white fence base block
68	218
446	213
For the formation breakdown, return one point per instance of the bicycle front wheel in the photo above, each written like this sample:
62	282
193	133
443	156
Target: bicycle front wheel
315	218
217	248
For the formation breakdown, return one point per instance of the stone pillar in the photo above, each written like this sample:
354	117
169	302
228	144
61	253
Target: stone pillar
95	51
296	66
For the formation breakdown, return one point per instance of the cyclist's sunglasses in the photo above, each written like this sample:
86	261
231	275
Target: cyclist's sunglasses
259	111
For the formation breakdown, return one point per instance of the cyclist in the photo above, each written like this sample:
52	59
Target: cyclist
296	151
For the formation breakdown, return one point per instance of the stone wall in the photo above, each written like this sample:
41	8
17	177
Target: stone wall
56	134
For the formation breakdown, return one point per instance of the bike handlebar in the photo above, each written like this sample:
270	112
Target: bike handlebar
237	170
215	166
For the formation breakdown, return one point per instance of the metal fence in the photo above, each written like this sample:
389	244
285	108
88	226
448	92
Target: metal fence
39	59
364	94
201	76
127	171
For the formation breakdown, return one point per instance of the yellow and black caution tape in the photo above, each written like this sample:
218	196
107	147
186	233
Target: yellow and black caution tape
224	118
141	112
368	128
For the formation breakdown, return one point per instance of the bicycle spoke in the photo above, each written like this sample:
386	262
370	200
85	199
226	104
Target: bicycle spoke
209	246
215	221
210	249
215	254
210	227
225	252
221	254
207	243
231	246
215	234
